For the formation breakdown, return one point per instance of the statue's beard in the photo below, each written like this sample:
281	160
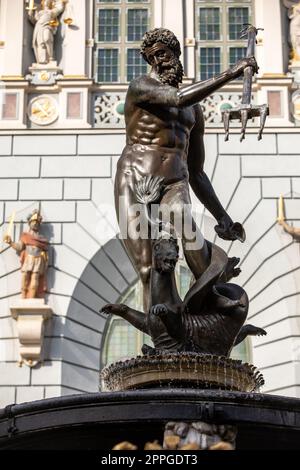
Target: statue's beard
173	74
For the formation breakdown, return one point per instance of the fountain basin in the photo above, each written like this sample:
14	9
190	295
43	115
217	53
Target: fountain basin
182	370
100	420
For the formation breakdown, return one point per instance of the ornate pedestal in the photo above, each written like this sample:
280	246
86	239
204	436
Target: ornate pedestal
30	315
44	74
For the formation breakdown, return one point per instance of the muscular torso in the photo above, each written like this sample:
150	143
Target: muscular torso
157	141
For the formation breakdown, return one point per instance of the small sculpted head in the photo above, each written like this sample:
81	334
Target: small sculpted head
161	49
34	220
165	254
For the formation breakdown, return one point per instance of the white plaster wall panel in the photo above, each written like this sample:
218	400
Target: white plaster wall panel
274	187
103	192
8	189
48	373
250	146
79	239
27	394
10	285
292	209
266	165
84	167
1	212
19	167
72	330
289	144
9	350
279	376
11	374
53	232
296	187
44	145
45	189
112	273
258	223
100	221
267	246
283	262
211	152
13	36
52	392
84	295
92	278
117	254
60	282
85	315
272	353
286	328
74	42
79	378
7	396
173	19
68	261
64	211
77	189
10	261
21	209
225	181
8	327
286	307
283	287
5	145
77	353
268	15
288	392
101	144
241	204
114	162
59	303
5	303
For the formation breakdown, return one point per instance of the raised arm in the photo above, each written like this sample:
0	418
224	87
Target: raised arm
202	186
149	90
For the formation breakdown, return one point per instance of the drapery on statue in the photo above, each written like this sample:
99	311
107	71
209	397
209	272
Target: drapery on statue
33	250
45	20
294	16
164	128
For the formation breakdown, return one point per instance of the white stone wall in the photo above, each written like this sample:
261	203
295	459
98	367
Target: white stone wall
71	178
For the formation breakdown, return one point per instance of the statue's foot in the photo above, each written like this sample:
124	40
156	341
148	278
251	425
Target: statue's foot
114	309
148	350
231	270
159	310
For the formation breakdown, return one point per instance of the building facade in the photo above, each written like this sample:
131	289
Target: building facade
61	134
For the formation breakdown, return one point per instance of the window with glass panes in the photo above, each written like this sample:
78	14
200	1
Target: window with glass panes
119	28
218	27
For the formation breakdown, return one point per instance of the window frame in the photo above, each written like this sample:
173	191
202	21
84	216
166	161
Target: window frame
123	44
224	42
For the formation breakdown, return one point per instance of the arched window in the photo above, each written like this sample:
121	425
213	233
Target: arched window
218	26
119	28
122	341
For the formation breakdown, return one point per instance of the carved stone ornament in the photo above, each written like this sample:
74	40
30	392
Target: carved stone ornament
30	315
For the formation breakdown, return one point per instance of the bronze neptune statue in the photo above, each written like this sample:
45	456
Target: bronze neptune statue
164	153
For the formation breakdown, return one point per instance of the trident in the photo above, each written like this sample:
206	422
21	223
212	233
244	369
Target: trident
246	110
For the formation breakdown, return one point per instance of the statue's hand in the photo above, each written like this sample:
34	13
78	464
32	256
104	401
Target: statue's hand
242	64
229	230
114	309
7	239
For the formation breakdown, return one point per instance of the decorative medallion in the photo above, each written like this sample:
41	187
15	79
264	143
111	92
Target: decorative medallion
43	110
